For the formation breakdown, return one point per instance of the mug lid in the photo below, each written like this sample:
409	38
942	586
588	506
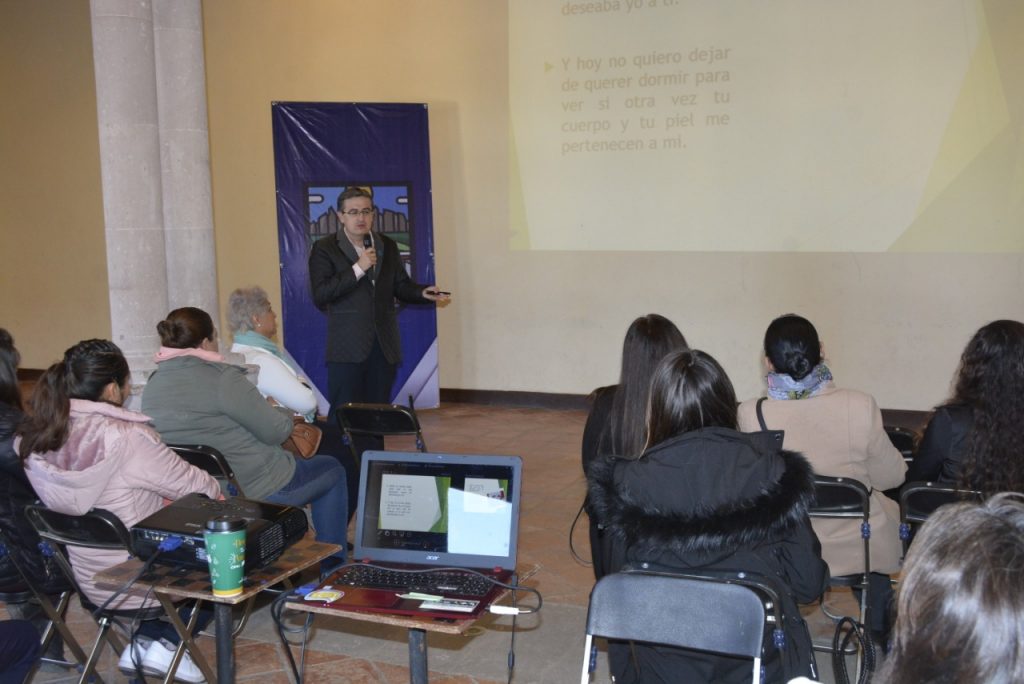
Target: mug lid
225	523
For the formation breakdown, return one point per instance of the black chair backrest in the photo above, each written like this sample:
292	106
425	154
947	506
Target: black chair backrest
688	611
380	419
840	497
904	439
918	500
212	461
97	529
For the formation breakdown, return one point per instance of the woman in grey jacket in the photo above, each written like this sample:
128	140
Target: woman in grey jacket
196	398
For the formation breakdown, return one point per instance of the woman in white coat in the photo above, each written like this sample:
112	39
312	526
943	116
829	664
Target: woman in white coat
281	380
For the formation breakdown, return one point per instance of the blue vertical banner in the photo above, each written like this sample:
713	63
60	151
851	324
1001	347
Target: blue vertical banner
321	148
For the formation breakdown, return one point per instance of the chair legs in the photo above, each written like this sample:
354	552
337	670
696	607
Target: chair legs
187	640
89	673
57	627
863	586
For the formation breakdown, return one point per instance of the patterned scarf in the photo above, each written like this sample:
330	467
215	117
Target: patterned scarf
781	386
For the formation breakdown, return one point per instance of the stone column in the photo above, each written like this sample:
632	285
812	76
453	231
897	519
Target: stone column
185	155
155	167
126	101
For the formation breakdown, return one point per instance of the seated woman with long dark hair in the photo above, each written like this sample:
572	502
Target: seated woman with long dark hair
615	424
975	439
704	496
194	397
81	450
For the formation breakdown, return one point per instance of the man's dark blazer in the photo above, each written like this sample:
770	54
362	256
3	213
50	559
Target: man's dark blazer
357	310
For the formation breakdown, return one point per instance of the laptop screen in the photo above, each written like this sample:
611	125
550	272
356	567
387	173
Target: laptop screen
439	509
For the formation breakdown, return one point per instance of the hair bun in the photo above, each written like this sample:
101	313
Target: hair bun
797	365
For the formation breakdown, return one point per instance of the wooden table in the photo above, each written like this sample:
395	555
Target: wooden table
417	627
170	584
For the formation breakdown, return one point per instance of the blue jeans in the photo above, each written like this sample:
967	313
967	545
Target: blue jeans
320	481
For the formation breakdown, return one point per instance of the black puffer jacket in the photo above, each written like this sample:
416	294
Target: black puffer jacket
713	499
15	494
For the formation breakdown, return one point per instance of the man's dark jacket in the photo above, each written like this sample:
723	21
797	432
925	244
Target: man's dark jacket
358	311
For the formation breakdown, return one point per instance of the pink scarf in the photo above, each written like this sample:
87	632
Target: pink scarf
166	353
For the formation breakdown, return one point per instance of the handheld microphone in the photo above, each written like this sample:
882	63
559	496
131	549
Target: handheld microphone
368	244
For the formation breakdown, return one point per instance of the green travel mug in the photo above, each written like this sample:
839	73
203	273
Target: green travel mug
225	552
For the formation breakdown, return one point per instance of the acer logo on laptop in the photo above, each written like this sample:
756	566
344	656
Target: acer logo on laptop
432	557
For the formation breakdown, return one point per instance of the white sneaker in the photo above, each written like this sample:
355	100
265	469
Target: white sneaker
141	646
158	661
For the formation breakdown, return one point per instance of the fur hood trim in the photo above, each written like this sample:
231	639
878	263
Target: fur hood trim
651	516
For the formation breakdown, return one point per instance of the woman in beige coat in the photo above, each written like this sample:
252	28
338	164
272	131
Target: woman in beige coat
840	432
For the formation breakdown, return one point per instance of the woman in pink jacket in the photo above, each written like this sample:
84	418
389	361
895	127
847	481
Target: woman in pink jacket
81	450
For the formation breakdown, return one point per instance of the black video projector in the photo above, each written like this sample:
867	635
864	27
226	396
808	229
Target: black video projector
270	529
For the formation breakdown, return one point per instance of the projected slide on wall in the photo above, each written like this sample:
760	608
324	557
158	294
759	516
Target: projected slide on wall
740	125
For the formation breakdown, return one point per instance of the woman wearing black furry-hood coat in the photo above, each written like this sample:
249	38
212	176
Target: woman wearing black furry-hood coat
706	497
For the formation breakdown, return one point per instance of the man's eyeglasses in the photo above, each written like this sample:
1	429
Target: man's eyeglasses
358	212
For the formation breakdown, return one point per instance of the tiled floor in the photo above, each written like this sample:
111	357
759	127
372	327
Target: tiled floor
548	645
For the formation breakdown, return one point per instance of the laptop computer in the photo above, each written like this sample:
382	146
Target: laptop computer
424	511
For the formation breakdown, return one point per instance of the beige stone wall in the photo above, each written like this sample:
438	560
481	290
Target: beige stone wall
53	283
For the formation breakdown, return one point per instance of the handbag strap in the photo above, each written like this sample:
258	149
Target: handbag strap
760	413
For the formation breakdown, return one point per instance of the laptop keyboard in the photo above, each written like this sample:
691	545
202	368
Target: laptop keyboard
441	582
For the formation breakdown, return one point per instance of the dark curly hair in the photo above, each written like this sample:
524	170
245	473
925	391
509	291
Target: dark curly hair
87	368
990	381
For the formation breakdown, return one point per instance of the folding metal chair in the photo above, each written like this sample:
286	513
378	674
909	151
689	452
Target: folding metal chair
918	500
844	498
30	590
378	420
98	529
702	612
212	461
904	439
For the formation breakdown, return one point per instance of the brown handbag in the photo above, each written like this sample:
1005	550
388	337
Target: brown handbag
304	440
